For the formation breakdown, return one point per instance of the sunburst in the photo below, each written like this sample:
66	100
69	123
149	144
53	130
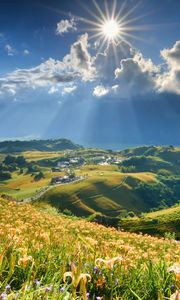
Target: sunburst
112	25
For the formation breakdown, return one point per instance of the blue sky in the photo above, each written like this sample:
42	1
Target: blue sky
57	80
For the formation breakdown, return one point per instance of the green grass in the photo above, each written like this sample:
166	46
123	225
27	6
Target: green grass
39	155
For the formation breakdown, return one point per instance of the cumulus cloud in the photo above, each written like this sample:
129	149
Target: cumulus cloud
9	50
172	55
124	75
100	91
69	89
107	61
80	59
65	26
169	80
136	76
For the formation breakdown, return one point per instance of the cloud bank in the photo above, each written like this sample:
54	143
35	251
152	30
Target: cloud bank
124	75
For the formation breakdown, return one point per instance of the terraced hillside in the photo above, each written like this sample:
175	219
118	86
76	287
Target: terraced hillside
108	192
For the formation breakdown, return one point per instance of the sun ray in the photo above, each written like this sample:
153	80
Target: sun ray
136	28
130	12
134	37
122	7
107	10
90	22
133	19
114	9
102	45
115	54
99	10
96	35
98	18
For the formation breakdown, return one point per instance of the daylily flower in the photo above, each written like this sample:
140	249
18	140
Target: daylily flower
109	263
175	268
77	278
175	296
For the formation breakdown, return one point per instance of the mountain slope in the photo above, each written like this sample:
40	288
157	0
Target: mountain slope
39	145
108	193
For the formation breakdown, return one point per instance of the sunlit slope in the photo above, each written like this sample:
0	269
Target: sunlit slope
159	222
107	192
22	186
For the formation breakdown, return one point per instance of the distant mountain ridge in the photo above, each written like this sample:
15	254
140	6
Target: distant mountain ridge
38	145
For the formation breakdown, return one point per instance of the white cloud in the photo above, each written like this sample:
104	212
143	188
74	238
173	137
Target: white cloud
169	80
136	75
100	91
46	74
65	26
77	65
53	90
69	89
9	50
26	52
146	65
125	75
80	59
107	61
172	55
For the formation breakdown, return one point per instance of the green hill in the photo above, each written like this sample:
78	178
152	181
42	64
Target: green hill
109	193
158	222
38	145
168	152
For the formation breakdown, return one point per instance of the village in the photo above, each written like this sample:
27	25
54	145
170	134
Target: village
68	166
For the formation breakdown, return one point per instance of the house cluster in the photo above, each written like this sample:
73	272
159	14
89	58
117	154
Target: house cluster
107	160
64	179
67	164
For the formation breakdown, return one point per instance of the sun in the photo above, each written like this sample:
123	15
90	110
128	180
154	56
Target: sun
111	29
112	23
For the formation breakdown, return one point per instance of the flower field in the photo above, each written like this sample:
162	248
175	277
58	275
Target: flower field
44	255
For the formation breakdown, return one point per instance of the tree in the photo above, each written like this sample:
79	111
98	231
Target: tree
5	175
32	169
131	214
20	160
39	176
9	159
